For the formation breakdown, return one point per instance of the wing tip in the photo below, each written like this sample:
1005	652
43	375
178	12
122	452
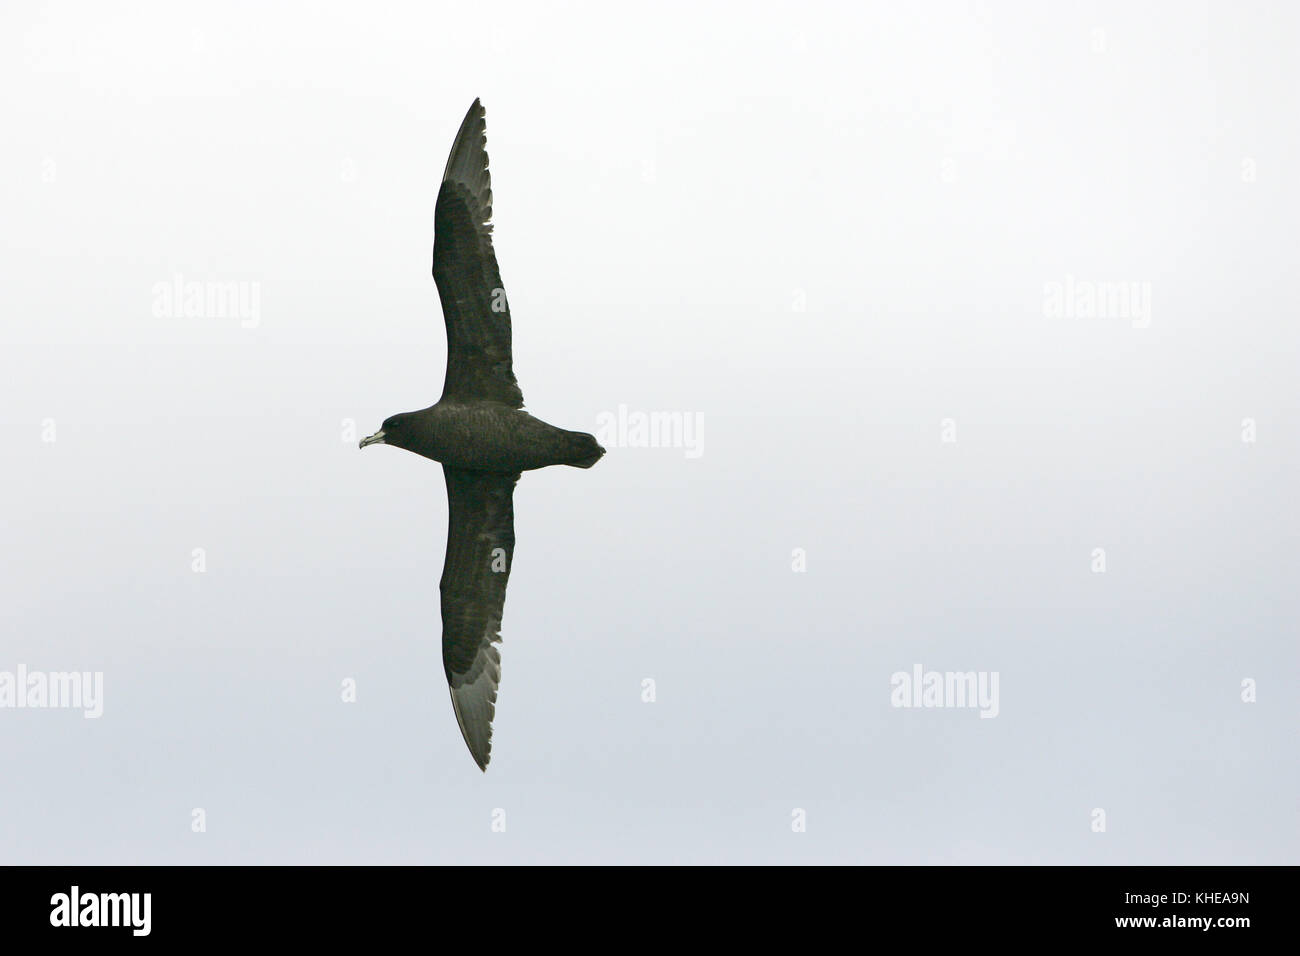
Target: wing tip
471	136
479	744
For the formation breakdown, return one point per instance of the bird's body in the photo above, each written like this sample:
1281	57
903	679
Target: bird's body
489	436
480	433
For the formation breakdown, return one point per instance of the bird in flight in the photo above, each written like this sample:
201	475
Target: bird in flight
480	433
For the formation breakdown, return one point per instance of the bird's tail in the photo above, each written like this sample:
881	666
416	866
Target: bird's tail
585	450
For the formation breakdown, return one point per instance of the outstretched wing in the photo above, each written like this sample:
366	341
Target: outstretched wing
480	549
469	282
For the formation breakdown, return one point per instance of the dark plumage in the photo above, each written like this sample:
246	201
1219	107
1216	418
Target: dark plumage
480	433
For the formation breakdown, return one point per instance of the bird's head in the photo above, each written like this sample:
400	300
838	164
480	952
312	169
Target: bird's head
395	431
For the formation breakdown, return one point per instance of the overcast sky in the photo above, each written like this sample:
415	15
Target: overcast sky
981	322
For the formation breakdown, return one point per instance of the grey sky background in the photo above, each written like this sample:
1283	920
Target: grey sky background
820	229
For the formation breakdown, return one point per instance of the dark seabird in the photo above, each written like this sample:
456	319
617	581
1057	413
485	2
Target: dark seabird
480	433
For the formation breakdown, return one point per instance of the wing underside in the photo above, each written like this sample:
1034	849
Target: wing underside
480	551
474	306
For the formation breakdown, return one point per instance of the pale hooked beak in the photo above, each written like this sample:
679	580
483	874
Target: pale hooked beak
376	439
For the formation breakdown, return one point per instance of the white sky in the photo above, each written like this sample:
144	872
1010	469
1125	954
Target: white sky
670	185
